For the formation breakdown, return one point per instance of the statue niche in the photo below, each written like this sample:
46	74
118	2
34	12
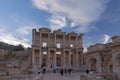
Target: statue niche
93	64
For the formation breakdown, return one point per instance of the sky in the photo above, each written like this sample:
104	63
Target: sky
98	20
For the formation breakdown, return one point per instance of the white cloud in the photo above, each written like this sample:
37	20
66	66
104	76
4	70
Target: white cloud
106	38
80	12
19	32
10	39
85	50
25	30
57	22
103	39
84	29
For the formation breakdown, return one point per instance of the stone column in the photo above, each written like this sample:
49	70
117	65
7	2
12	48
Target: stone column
33	36
48	60
40	43
99	64
63	59
77	59
55	40
40	58
82	59
63	53
55	58
48	45
48	40
69	59
69	41
33	61
80	41
64	43
33	57
74	61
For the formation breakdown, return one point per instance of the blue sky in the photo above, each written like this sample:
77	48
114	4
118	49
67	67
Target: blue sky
98	20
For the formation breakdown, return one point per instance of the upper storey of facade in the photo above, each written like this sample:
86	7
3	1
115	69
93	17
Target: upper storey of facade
56	39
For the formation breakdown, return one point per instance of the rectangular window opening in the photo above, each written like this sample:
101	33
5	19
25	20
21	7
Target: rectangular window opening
44	44
58	45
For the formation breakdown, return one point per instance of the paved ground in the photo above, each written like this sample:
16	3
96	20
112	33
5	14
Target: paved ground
57	76
50	76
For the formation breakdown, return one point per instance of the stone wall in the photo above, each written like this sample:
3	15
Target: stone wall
15	63
23	77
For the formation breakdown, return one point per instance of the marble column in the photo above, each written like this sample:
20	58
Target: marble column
33	58
63	59
40	41
69	59
33	36
55	58
40	58
76	59
48	60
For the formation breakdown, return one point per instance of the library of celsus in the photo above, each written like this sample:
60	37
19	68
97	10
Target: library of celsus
56	49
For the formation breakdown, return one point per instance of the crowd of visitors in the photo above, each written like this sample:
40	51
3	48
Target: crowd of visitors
65	71
62	71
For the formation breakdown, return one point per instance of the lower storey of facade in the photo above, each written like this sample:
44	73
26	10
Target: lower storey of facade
56	58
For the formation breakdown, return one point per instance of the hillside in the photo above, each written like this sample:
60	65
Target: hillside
11	48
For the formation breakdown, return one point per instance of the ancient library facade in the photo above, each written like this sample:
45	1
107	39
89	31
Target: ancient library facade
56	49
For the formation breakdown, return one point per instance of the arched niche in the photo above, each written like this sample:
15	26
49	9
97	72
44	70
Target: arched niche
93	62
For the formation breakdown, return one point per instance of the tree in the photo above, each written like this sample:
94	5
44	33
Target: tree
19	47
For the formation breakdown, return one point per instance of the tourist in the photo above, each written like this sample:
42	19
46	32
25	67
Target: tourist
87	71
69	71
44	71
65	71
38	71
91	71
51	66
54	70
61	72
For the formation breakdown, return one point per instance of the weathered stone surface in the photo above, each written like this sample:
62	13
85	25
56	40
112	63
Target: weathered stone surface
106	58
